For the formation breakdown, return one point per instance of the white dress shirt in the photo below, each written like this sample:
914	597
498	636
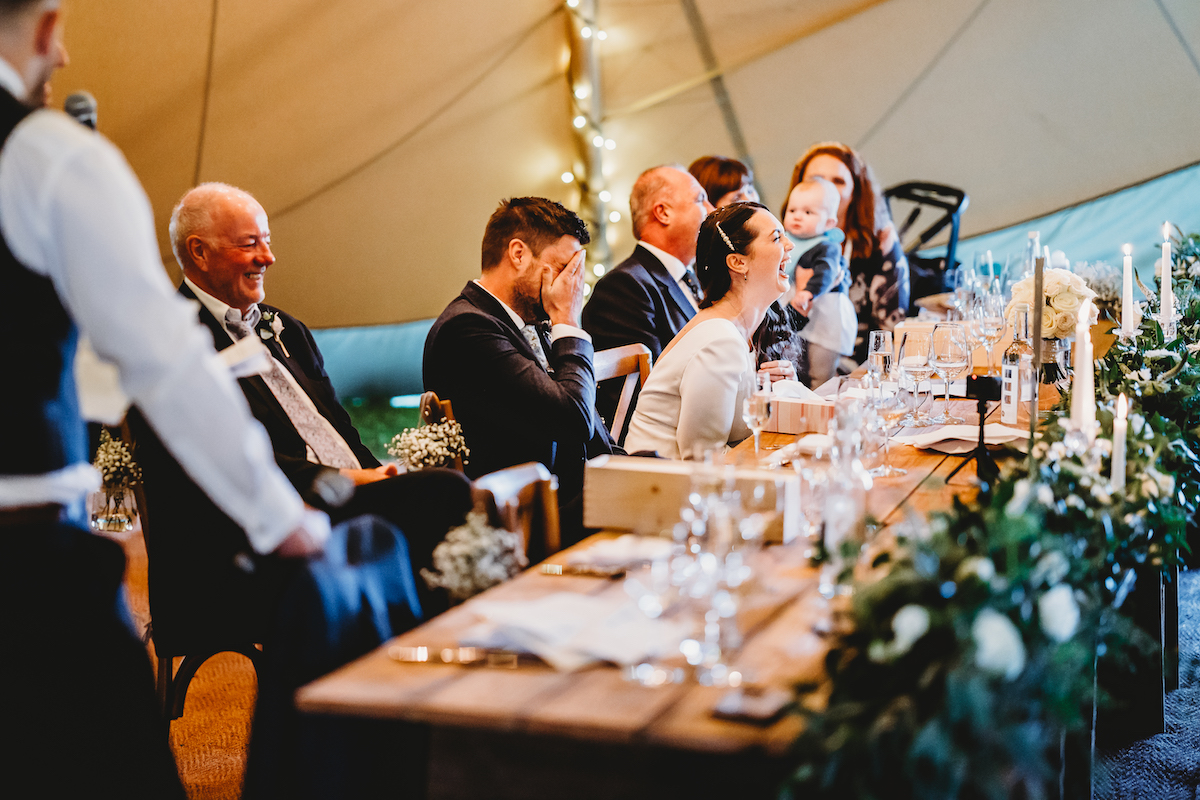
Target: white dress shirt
676	268
72	210
220	309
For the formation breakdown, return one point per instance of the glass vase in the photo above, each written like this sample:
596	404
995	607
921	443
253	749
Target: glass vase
1055	377
112	510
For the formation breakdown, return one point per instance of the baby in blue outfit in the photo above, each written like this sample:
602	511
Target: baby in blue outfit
821	277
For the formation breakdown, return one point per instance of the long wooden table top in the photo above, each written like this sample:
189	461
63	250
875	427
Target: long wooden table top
598	704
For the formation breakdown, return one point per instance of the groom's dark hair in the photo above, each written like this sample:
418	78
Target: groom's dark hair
536	221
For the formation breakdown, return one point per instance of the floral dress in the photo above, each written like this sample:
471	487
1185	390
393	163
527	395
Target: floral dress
879	290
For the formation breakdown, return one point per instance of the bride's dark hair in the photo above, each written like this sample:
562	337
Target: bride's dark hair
724	231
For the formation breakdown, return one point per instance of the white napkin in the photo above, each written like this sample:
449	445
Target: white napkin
624	550
993	433
570	631
798	391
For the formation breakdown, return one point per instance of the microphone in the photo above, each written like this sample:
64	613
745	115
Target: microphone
81	106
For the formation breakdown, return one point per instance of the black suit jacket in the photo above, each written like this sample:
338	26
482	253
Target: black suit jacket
303	360
510	409
637	302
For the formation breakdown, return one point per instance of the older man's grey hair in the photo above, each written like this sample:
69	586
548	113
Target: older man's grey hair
648	190
193	216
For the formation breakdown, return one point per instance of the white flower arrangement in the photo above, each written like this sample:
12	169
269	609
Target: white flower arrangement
113	461
475	557
1065	293
436	445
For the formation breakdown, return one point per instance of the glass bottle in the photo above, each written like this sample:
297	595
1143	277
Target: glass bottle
1016	379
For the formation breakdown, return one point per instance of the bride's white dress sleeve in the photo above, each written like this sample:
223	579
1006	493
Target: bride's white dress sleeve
708	394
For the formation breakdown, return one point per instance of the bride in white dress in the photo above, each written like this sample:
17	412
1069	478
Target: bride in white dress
693	398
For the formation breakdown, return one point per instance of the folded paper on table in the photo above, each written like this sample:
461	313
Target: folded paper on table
570	631
623	551
993	433
796	390
645	495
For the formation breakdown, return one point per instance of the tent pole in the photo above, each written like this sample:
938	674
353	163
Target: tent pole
587	107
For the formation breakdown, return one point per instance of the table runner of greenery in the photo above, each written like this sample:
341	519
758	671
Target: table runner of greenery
971	663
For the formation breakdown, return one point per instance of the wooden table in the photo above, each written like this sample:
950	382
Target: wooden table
532	732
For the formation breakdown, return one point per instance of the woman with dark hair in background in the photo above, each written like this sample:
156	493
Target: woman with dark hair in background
878	269
693	398
727	181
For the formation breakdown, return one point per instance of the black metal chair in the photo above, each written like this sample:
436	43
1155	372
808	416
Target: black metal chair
928	208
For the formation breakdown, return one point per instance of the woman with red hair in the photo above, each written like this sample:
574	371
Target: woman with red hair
878	269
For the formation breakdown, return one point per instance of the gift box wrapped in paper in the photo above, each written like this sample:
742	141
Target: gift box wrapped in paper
645	495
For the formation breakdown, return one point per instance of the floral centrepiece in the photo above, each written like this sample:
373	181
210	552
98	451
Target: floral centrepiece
1065	293
119	472
429	446
475	557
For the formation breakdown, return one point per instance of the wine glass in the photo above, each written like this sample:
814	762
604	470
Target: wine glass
891	410
914	361
951	357
965	283
987	314
756	409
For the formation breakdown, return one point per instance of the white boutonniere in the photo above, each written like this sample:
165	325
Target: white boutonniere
270	327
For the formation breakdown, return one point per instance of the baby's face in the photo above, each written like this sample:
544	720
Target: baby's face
807	215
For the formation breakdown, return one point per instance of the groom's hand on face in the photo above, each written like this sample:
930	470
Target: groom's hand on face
562	293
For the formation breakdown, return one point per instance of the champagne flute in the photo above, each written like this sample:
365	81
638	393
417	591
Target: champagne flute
879	357
951	357
756	409
915	352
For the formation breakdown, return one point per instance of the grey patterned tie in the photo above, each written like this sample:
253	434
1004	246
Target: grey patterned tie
531	336
316	431
689	278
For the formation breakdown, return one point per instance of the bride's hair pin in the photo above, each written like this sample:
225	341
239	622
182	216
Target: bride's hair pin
726	238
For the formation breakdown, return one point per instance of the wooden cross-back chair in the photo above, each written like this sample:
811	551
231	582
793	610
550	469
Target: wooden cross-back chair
631	361
523	498
171	684
434	410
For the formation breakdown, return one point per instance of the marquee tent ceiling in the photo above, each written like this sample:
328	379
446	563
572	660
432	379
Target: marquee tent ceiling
379	134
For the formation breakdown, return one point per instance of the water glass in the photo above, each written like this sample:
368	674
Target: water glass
916	351
951	358
879	355
756	409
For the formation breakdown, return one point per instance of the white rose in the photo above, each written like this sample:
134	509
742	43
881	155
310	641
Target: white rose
1058	613
980	567
1050	569
998	645
1023	290
1049	323
1055	281
1066	301
910	624
1065	322
1022	493
1078	284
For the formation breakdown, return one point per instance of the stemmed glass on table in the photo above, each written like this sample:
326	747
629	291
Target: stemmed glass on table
879	357
916	352
986	318
951	356
756	409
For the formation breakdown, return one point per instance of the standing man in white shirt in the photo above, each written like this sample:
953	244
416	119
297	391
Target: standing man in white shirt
651	295
77	252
